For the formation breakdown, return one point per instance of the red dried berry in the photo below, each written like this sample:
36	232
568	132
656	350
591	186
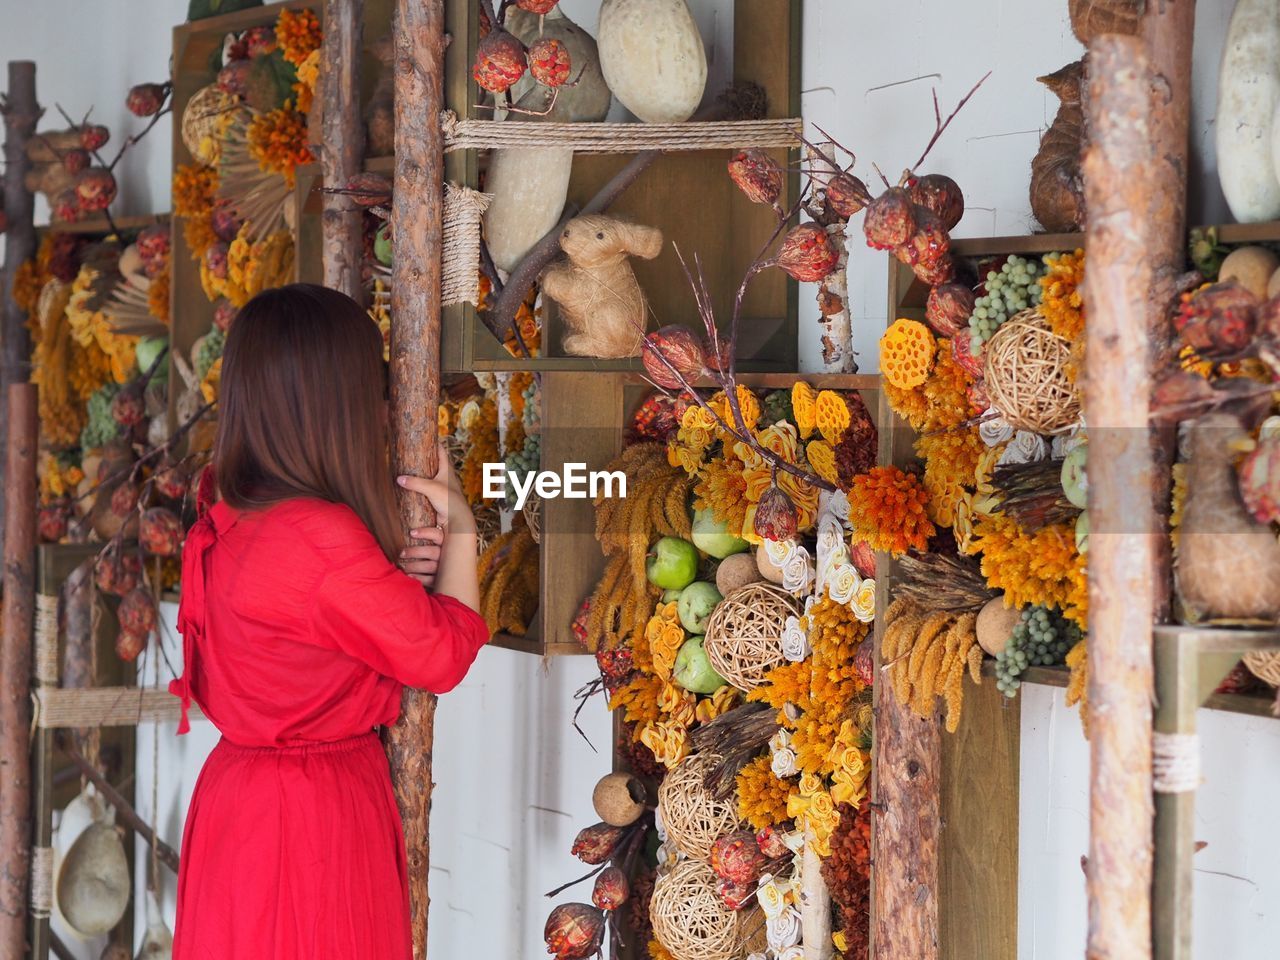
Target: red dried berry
130	645
259	41
596	844
124	498
153	243
734	895
215	260
847	195
94	137
234	77
771	844
672	346
942	270
549	62
807	253
540	7
775	517
224	312
128	408
171	482
940	194
928	244
611	889
51	522
369	190
116	572
146	99
890	220
949	308
574	931
757	175
736	858
137	612
160	532
864	661
66	207
500	61
95	188
962	353
1218	320
75	160
863	558
225	221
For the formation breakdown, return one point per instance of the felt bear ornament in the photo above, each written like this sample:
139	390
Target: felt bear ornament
604	310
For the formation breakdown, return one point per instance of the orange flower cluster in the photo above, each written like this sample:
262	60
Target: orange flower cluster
940	402
27	284
1062	302
721	487
483	449
1033	568
278	141
639	699
194	188
950	468
298	33
762	796
158	296
887	510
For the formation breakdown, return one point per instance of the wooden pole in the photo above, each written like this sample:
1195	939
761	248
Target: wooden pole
21	113
1126	473
417	219
15	668
342	152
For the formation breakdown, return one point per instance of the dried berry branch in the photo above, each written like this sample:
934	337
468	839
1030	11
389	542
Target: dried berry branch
941	125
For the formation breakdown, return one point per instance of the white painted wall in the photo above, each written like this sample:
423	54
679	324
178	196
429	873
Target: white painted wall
514	778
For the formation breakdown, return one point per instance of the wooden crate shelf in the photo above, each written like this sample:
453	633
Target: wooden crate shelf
725	233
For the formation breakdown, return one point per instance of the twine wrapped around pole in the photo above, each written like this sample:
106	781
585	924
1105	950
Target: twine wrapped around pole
463	211
1175	762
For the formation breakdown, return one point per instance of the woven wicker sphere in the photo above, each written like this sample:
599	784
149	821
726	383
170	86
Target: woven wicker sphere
533	516
694	819
689	918
1265	665
200	118
1026	375
744	635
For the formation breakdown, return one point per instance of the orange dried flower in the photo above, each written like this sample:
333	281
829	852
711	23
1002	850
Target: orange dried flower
762	795
887	510
804	408
1062	303
158	296
822	458
298	33
906	353
950	467
1033	568
194	187
278	141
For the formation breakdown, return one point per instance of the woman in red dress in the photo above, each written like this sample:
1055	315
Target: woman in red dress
303	615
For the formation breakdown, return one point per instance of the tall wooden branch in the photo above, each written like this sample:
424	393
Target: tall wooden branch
343	148
418	216
15	668
1127	481
21	113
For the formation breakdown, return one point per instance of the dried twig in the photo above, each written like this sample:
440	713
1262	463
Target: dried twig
941	125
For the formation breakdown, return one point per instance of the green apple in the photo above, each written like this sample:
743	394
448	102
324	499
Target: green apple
145	353
1082	532
1075	478
671	596
693	671
712	536
697	601
382	245
672	563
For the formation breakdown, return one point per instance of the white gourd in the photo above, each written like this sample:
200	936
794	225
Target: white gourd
529	186
1248	94
653	58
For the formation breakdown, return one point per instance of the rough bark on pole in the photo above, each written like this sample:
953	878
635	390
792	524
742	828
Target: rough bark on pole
21	113
343	148
78	649
907	758
417	218
1125	470
15	668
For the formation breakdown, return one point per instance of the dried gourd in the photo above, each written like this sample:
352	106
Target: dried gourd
906	353
1057	187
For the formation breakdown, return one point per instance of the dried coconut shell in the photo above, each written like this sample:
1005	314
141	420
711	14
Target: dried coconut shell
1251	267
736	571
767	568
995	625
619	799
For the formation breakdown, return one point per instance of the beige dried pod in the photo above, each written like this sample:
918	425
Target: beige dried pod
995	625
619	799
737	571
93	884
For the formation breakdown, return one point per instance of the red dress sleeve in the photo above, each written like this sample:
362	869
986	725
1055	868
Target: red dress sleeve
370	609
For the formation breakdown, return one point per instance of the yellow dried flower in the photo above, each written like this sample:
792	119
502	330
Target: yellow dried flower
277	139
804	408
762	795
298	34
832	415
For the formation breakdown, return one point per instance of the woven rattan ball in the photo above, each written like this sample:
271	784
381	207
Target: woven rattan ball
1265	665
689	918
744	635
694	819
1026	375
200	118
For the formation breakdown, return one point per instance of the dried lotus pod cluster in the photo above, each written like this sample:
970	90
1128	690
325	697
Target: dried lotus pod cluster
906	353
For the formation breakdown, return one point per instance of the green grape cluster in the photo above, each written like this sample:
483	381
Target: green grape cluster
101	427
1041	638
209	351
1012	288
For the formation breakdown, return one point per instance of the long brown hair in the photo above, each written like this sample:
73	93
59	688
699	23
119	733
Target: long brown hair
302	408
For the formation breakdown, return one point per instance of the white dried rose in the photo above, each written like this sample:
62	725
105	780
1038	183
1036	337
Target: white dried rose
843	583
757	956
994	429
830	541
791	953
783	763
834	503
1064	443
1025	447
659	825
797	572
795	643
780	740
863	603
794	841
468	416
771	899
783	931
809	603
779	552
487	381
